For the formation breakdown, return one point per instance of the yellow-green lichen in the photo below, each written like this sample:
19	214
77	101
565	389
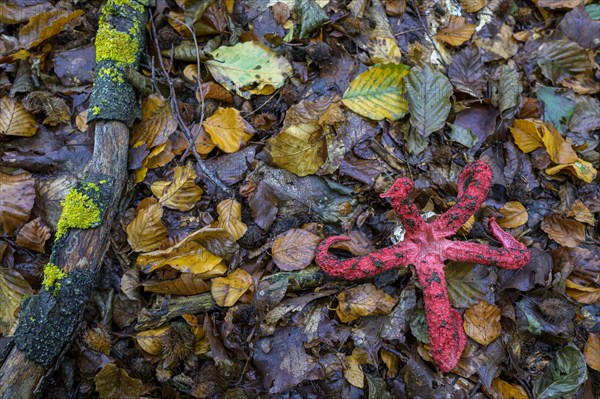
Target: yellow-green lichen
52	275
103	181
92	186
79	212
112	73
112	44
96	110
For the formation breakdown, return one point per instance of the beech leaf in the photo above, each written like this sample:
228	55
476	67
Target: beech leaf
181	193
157	123
13	287
34	235
228	130
113	382
16	200
564	375
146	232
227	290
294	249
230	218
301	148
482	322
514	215
15	120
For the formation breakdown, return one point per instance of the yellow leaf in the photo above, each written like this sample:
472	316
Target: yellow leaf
515	215
591	352
228	130
580	293
160	156
230	218
580	169
227	290
294	249
13	287
353	374
457	32
113	382
392	362
157	123
378	92
45	25
363	300
581	213
301	148
15	120
182	193
506	390
150	340
186	284
482	323
384	50
81	121
201	343
566	232
527	135
558	148
146	232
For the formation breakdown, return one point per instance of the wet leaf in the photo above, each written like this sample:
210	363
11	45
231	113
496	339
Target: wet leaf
561	59
482	322
580	293
150	340
13	289
201	343
147	232
515	215
469	284
509	92
363	300
457	32
591	352
377	92
566	232
249	68
295	249
186	284
506	390
564	375
230	218
157	123
34	235
16	200
467	71
301	148
428	94
113	382
45	25
181	193
227	290
228	130
15	120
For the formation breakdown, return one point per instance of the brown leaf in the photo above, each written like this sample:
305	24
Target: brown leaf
467	71
515	215
201	343
363	300
147	232
150	340
16	12
294	249
591	351
157	123
581	213
228	130
457	32
580	293
113	382
15	120
263	204
472	5
230	218
34	235
505	390
186	284
501	46
227	290
561	59
202	141
181	193
45	25
566	232
577	26
16	200
482	323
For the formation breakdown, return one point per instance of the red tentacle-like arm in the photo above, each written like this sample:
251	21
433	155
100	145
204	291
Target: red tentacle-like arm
426	247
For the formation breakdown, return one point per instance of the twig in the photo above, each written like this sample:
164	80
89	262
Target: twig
180	122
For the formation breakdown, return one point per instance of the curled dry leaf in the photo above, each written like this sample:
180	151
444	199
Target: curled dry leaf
363	300
15	120
301	148
157	123
150	340
457	32
228	130
591	352
181	193
146	232
113	382
482	323
230	218
227	290
186	284
294	249
13	288
16	200
566	232
583	294
514	215
34	235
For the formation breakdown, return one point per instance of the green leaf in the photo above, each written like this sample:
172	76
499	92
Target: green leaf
377	387
462	135
13	287
312	17
249	68
469	284
428	95
509	92
418	323
564	375
558	108
593	11
377	92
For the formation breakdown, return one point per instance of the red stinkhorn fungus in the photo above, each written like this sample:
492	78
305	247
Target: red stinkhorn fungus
426	247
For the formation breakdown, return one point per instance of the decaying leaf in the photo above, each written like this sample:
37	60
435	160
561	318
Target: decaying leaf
15	120
472	5
482	322
502	46
181	193
581	213
467	71
34	235
228	130
363	300
113	382
457	32
567	232
563	376
301	148
591	351
469	284
201	343
515	215
16	200
227	290
377	92
13	288
146	232
509	91
562	59
230	218
294	249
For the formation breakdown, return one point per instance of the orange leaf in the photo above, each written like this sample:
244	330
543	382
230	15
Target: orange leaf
580	293
482	323
457	32
227	290
566	232
15	120
146	232
182	193
505	390
34	235
363	300
526	133
45	25
228	130
591	351
157	123
515	215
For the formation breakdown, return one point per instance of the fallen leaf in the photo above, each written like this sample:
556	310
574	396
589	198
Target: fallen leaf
377	92
13	288
469	284
81	121
156	125
501	46
579	168
214	91
580	293
566	232
15	120
363	300
230	218
509	92
456	32
34	235
382	45
45	25
391	361
558	107
552	4
561	59
506	390
467	72
201	343
472	6
228	130
301	148
482	322
12	13
295	249
16	200
312	16
462	136
564	375
181	193
227	290
591	352
113	382
249	68
526	133
147	232
581	213
514	215
354	374
186	284
150	340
